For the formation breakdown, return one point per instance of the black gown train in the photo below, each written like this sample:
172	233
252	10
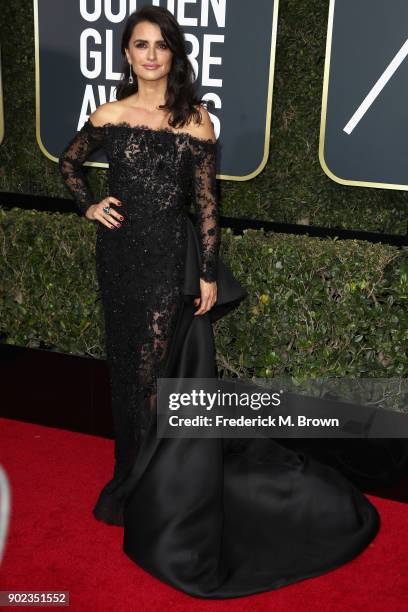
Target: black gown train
216	518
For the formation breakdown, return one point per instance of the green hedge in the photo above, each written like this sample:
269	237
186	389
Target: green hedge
315	307
292	188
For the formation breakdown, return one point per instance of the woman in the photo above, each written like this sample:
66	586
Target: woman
213	518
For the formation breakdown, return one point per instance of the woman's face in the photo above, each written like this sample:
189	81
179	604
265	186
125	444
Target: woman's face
148	52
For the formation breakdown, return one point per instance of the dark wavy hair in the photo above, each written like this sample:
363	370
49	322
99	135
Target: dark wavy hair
181	95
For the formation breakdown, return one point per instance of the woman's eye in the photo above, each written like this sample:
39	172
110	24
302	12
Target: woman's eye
161	45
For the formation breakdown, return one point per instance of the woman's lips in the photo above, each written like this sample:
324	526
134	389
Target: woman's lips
150	66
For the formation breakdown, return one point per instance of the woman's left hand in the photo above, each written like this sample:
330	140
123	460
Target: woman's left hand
208	297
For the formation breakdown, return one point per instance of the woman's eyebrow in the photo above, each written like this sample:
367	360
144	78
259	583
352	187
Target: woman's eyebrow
142	40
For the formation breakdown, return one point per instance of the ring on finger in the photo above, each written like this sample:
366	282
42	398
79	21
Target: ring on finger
106	209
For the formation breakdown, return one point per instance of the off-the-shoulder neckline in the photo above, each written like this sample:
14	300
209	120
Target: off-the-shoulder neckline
147	128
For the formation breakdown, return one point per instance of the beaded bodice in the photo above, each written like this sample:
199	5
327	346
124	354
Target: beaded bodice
155	173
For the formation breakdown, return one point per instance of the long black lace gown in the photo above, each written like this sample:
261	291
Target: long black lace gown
214	518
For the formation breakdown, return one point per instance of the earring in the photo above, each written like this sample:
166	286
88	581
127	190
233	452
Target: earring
131	79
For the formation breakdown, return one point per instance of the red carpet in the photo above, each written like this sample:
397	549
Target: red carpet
55	543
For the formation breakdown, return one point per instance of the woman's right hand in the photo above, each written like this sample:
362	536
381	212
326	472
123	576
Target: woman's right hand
112	220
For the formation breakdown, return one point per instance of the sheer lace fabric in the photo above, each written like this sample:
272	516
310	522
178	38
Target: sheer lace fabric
152	170
140	266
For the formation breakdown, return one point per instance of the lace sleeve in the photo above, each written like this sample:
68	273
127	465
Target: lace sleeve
204	190
86	140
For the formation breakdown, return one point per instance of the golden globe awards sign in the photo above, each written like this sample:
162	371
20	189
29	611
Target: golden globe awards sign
230	43
363	137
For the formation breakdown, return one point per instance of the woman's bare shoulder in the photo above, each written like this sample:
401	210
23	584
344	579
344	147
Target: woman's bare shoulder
106	113
203	129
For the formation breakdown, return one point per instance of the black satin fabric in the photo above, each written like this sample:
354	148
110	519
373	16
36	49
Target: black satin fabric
224	518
